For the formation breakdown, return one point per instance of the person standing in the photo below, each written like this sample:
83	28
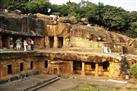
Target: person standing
18	44
11	43
32	44
25	44
29	44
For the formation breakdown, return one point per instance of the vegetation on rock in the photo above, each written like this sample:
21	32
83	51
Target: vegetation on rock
111	17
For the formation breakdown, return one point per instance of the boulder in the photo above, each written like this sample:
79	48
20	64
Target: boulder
71	20
84	21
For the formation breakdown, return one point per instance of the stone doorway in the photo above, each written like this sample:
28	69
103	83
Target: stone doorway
60	42
102	68
51	41
55	71
21	66
105	66
5	41
77	67
9	69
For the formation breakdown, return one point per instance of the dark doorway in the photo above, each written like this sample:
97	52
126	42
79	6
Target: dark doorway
9	67
31	65
5	41
51	41
55	71
105	66
46	64
60	42
124	49
14	40
93	66
77	65
21	66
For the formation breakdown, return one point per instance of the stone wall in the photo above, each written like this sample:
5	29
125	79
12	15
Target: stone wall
31	64
82	42
39	43
114	69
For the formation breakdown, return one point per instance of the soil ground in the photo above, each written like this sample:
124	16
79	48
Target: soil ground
67	83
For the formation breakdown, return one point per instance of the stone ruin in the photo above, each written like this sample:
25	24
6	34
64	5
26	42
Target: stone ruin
62	47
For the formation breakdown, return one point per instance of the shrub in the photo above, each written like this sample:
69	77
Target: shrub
133	71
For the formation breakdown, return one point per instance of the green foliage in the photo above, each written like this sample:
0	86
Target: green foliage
114	18
17	4
29	6
4	3
132	31
35	4
133	71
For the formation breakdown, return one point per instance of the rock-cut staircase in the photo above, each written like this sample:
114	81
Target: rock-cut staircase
42	84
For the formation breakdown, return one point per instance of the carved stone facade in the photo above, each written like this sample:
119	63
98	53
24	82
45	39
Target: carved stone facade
62	47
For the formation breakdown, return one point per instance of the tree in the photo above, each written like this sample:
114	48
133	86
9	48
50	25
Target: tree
37	5
4	3
29	6
88	10
112	17
132	31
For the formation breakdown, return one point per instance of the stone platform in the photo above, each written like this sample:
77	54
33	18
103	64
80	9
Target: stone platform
24	84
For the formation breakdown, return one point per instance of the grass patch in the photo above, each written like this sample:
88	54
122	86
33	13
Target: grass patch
89	87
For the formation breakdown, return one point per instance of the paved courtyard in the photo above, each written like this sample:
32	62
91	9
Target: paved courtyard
76	80
63	83
20	85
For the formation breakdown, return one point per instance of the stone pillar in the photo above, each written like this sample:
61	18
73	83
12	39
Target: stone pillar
0	42
0	70
64	42
96	69
47	42
55	42
58	70
71	67
83	69
8	41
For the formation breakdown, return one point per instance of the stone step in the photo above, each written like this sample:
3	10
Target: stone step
42	84
100	50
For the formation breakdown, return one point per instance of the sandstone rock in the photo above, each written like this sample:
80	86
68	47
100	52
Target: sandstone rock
38	15
16	11
71	20
84	21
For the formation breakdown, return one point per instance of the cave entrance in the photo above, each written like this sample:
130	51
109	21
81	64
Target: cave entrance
5	41
105	66
77	67
51	41
31	65
60	42
21	66
93	66
9	69
55	71
14	41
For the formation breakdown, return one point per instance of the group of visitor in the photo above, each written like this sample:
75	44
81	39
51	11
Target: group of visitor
106	50
27	44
